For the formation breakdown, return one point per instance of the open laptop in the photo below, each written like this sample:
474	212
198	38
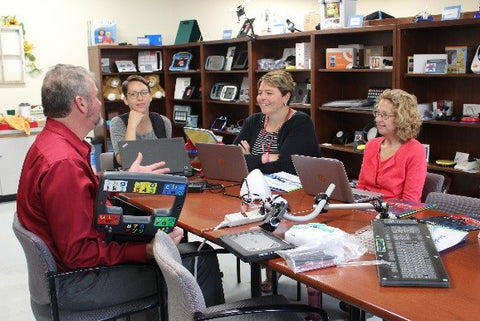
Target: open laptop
316	174
223	162
170	150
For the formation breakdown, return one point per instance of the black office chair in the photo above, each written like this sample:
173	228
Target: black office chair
44	280
186	301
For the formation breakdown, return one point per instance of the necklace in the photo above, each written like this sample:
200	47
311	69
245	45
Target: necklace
264	132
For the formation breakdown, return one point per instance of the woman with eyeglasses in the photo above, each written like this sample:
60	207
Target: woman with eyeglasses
139	123
395	163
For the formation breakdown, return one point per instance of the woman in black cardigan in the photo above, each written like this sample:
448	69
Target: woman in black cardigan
270	138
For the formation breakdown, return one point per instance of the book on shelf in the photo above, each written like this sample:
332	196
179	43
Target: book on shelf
283	182
102	32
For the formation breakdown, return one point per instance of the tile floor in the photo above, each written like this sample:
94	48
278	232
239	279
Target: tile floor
15	303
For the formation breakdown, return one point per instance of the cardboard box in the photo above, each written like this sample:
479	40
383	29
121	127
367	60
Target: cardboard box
340	58
457	59
420	61
360	51
375	51
302	55
310	21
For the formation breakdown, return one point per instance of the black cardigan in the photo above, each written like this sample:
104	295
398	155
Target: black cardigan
296	136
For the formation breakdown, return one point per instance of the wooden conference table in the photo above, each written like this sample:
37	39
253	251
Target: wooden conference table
356	285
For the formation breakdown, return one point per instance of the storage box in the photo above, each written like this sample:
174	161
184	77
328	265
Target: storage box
302	55
340	58
420	61
154	40
360	52
310	21
335	13
457	59
375	51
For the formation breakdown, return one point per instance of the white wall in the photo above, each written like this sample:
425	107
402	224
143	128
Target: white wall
58	28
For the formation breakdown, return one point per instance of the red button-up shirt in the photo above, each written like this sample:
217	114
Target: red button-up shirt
56	197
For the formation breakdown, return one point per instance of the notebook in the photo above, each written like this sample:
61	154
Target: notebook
170	150
223	162
200	135
316	174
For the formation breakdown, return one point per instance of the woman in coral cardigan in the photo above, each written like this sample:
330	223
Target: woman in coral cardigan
395	163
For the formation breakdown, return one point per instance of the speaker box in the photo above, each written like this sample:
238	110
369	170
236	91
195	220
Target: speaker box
188	31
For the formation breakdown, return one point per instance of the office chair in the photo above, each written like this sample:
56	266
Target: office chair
433	183
186	302
455	204
44	280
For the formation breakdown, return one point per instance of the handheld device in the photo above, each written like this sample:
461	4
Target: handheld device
122	221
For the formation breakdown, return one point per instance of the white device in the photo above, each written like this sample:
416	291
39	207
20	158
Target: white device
476	62
255	187
239	218
228	93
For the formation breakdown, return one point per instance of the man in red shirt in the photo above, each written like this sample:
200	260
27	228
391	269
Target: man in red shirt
57	191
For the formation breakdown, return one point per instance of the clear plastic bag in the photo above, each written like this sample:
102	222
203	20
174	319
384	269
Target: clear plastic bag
335	248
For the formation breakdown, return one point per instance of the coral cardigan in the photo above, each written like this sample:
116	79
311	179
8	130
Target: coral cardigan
400	176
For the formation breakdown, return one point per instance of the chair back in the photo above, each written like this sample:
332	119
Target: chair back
39	262
107	161
184	294
455	204
433	183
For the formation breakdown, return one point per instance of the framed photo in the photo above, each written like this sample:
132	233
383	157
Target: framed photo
427	151
355	21
452	12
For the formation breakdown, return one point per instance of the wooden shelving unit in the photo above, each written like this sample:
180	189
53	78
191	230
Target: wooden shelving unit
405	38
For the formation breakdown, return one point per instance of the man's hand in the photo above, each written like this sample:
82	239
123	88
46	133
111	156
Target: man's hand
157	168
176	235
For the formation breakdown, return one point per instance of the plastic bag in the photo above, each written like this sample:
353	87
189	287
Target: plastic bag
320	246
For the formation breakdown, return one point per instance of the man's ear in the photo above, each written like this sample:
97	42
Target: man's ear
81	104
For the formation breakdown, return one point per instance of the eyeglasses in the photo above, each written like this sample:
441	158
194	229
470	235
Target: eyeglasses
384	116
135	94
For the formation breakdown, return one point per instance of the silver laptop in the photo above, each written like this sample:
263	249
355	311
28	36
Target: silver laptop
223	162
170	150
316	174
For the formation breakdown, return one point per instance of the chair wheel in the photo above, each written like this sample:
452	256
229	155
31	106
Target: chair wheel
345	307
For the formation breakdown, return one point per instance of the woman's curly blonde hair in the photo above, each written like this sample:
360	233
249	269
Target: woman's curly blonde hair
408	119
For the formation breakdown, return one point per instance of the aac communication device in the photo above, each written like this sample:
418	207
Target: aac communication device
181	61
122	221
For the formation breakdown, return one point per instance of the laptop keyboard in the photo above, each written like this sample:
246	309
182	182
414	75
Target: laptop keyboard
360	195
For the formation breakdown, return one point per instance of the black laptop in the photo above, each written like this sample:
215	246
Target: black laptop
170	150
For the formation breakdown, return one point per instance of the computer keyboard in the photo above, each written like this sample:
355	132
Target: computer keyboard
412	257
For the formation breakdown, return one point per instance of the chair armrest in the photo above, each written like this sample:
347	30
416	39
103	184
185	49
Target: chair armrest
268	308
